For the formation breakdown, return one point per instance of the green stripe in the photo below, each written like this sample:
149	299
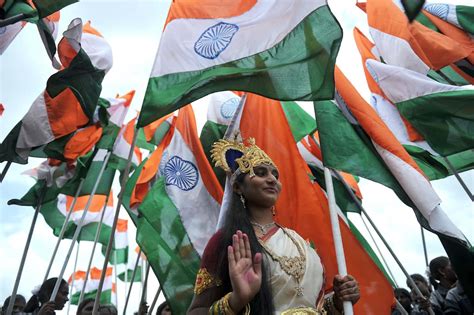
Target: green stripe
210	133
448	76
445	120
162	237
121	254
105	297
138	275
300	67
8	146
423	19
129	186
465	15
48	7
301	123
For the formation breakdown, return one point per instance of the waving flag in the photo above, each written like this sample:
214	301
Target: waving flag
68	102
281	49
109	289
8	34
458	15
119	253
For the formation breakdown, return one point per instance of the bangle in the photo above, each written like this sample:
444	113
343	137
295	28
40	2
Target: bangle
222	307
330	307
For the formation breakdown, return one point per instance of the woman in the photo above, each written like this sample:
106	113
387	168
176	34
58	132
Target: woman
252	265
443	278
39	303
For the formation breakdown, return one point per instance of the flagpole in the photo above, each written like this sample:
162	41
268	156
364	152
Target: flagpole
25	251
131	282
116	283
79	227
460	180
63	229
155	299
336	233
361	208
5	169
145	284
400	308
96	239
73	277
379	251
114	225
424	245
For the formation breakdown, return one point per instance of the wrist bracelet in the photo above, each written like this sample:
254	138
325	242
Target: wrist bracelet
222	307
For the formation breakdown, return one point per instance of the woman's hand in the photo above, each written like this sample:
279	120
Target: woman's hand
245	274
345	289
47	308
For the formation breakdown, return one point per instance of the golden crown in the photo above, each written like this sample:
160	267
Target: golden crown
232	155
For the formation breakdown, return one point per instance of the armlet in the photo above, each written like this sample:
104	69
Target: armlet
204	281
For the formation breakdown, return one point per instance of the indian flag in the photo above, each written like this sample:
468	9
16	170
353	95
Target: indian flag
8	34
409	45
458	15
120	247
109	289
68	102
440	112
281	49
180	212
126	275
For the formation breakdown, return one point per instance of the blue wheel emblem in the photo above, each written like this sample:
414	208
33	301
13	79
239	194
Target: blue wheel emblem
441	10
229	107
215	40
181	173
3	30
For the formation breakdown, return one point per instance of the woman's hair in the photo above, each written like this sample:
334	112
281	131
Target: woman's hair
161	307
435	265
83	304
238	218
43	295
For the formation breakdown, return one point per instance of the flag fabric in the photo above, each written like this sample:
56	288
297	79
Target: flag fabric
302	203
126	275
179	214
119	253
68	102
229	48
458	15
441	113
381	150
409	45
48	7
8	34
109	289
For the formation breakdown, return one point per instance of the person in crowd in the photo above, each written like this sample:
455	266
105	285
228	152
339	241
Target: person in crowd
442	278
87	306
18	306
457	302
420	303
39	303
163	309
404	297
253	265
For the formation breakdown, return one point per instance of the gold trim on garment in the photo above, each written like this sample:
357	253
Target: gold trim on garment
204	280
303	311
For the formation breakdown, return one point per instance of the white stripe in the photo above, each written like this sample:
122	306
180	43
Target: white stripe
309	157
400	84
419	189
397	51
121	240
100	155
8	34
220	107
91	217
117	110
98	50
197	208
444	11
391	117
35	128
260	28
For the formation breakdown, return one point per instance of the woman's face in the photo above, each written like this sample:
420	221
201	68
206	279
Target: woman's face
61	297
261	190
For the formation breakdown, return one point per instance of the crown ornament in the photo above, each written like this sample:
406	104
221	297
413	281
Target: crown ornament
233	155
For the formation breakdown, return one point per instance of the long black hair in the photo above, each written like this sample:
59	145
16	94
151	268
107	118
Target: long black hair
238	218
43	295
435	265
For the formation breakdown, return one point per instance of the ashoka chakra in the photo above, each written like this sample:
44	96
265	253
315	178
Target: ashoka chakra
215	40
441	10
229	107
181	173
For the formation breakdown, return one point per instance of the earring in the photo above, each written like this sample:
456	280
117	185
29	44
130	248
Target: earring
242	199
273	211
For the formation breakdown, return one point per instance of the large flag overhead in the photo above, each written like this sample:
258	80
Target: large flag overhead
109	289
179	214
370	145
409	45
441	113
303	204
281	49
69	100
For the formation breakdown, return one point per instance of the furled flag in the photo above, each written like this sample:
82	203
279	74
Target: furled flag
109	289
179	214
69	100
374	152
221	108
303	204
441	113
119	253
409	45
281	49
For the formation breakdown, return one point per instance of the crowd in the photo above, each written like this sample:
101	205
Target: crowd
443	293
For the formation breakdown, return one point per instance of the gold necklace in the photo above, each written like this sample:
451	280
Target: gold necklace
263	227
292	266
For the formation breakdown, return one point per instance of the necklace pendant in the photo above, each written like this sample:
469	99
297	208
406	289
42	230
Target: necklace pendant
299	291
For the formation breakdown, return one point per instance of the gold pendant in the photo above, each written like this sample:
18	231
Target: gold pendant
299	290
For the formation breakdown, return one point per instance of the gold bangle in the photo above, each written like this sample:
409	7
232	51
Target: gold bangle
222	306
226	309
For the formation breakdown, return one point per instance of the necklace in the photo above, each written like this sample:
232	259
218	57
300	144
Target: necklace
263	227
292	266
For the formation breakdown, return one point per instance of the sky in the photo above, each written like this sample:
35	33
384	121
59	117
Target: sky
133	31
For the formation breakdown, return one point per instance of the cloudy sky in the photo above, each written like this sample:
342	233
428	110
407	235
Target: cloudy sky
133	31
